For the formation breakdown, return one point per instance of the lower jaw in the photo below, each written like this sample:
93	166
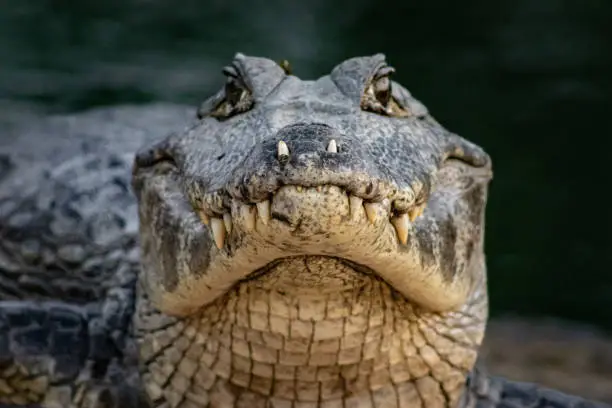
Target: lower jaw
304	332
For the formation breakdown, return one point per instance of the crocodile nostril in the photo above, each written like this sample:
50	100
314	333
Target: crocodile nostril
283	152
332	147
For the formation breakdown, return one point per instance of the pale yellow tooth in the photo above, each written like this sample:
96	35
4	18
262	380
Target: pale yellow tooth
319	189
413	213
332	147
263	209
283	150
371	210
248	214
355	205
203	217
227	220
421	209
416	212
218	231
298	188
401	225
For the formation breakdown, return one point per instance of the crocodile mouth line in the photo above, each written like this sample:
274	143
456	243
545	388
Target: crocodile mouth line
215	212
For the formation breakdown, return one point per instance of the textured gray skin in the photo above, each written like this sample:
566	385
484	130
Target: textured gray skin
316	307
68	253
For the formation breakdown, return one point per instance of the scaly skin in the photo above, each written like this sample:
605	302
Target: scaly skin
69	256
294	274
287	260
253	319
345	336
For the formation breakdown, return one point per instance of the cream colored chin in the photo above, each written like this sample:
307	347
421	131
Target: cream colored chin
310	275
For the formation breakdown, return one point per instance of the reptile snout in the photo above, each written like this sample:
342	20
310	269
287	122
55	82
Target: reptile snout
309	142
314	179
308	155
302	148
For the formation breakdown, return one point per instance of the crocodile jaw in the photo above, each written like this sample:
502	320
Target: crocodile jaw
221	245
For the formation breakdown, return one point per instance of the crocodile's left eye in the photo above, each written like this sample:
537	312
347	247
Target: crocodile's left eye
378	95
237	97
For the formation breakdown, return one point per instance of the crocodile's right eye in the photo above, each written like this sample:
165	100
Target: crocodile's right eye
237	96
378	97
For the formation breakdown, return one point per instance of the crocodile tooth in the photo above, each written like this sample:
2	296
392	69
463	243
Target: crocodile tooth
355	203
413	213
416	212
203	217
371	210
218	231
227	220
263	209
283	151
421	209
319	189
298	188
248	214
401	225
332	147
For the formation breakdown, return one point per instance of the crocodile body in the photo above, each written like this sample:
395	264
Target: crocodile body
293	244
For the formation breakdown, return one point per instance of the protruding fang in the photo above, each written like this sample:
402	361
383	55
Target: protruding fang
371	210
319	189
248	213
413	213
227	220
298	188
355	204
218	231
416	212
263	209
203	217
332	147
283	152
401	225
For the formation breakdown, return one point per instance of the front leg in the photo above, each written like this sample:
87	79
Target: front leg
56	355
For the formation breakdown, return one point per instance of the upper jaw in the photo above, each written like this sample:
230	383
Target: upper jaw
309	209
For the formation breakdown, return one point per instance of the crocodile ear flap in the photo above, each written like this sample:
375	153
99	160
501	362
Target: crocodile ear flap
261	75
353	75
210	104
464	150
409	102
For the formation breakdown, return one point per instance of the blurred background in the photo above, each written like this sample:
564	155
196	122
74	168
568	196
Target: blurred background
530	81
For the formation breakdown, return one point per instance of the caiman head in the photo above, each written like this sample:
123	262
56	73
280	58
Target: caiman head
315	241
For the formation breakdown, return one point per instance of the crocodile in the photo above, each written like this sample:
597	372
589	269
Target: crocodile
290	243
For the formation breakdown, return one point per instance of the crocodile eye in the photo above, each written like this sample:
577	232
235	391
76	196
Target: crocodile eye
378	96
382	90
237	97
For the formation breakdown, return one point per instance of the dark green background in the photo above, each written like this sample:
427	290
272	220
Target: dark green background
530	80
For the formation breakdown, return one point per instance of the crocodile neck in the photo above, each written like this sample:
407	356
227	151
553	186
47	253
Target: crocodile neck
312	329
